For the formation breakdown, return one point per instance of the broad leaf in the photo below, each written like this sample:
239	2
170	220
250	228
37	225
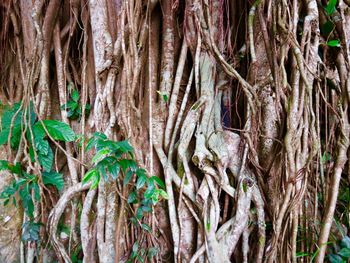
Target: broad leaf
53	178
114	170
4	135
27	201
57	130
344	252
141	180
46	160
124	146
100	155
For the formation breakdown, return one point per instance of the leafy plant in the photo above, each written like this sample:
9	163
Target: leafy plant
73	108
113	158
19	123
341	253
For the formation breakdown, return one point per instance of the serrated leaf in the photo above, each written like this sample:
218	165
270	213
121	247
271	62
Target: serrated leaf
75	95
15	137
57	130
53	178
42	146
333	43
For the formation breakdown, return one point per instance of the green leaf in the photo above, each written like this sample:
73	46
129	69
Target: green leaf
141	180
333	43
16	169
95	181
4	135
16	137
114	170
163	194
146	227
11	113
128	177
132	198
146	209
36	191
344	252
153	251
4	165
27	201
100	155
345	242
46	160
31	231
42	146
330	8
139	213
124	146
335	258
135	247
164	96
57	130
90	174
301	254
75	95
53	178
128	164
158	181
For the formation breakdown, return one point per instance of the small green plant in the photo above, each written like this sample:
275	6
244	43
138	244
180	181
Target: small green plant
73	108
114	159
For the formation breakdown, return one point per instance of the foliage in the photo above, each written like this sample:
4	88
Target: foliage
113	158
341	252
16	122
73	108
